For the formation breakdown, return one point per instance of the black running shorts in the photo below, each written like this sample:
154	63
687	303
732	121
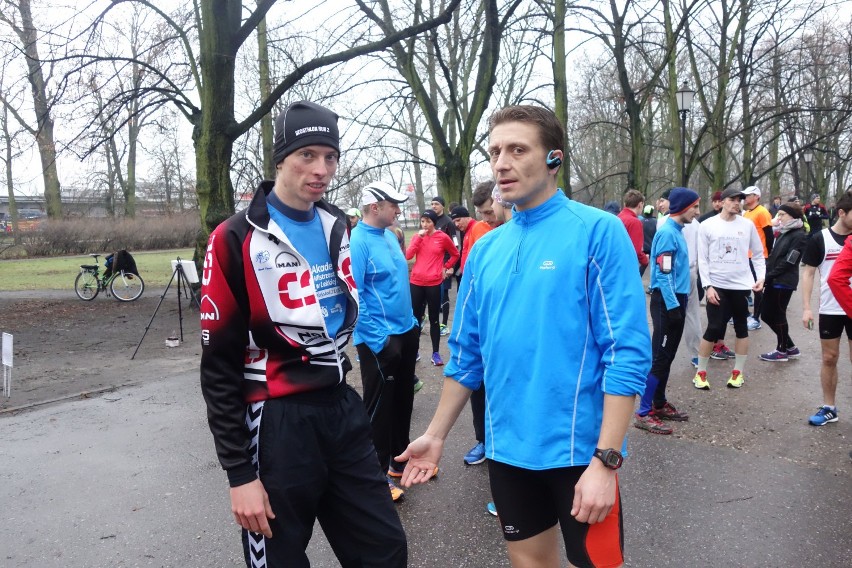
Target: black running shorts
831	326
529	502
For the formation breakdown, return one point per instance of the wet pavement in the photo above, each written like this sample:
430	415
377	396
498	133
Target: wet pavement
129	478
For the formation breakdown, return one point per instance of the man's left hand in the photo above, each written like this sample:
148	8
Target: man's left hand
594	494
758	286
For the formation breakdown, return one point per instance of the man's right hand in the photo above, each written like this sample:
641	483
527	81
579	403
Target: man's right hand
712	295
423	455
807	319
251	508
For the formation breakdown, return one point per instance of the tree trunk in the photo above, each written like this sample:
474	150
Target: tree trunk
44	131
13	207
213	143
415	152
266	132
560	92
130	186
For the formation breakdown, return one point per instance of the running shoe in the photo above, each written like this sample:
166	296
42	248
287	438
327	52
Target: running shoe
669	412
823	416
736	379
417	386
652	424
396	493
393	471
700	380
750	300
774	356
476	455
719	352
793	353
727	351
695	362
418	356
436	359
492	508
753	323
444	329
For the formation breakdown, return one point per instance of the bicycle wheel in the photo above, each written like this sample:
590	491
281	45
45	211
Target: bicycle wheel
86	286
126	286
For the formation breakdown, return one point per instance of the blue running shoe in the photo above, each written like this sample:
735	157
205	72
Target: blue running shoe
774	356
493	509
476	455
695	362
823	416
436	359
793	353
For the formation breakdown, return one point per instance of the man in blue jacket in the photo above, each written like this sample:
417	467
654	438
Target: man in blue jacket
386	335
670	285
560	388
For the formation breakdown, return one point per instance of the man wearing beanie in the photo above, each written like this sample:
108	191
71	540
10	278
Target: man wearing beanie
471	228
670	286
715	207
724	242
278	307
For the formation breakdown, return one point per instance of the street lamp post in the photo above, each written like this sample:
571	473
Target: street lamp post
808	155
684	97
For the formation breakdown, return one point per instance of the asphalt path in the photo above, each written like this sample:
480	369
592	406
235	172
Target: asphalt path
129	478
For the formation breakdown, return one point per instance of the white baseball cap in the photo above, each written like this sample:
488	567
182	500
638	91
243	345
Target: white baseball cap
752	190
381	191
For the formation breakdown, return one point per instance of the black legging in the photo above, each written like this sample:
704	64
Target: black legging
774	313
758	296
421	297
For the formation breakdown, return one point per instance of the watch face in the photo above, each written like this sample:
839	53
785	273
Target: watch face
611	458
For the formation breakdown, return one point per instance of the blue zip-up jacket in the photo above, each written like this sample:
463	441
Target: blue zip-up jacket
669	240
550	316
381	276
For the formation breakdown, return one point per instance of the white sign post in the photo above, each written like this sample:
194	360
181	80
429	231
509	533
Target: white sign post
7	365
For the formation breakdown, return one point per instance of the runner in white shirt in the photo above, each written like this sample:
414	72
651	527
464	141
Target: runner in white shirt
723	245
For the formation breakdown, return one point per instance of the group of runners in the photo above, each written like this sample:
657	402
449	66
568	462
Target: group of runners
287	284
292	280
744	256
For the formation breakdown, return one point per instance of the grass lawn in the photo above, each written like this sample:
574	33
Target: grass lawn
58	273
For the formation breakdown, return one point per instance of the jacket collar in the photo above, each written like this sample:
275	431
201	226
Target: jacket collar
546	209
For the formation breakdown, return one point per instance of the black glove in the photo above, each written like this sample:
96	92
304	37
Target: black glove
675	315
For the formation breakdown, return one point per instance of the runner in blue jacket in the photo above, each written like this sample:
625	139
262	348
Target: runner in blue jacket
670	284
551	318
387	334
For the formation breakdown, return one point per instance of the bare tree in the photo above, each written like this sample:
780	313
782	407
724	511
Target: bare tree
223	28
18	16
451	74
633	27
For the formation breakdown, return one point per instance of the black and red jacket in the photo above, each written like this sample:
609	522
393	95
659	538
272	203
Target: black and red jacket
263	333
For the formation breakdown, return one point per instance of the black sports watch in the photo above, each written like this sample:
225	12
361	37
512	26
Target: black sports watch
610	458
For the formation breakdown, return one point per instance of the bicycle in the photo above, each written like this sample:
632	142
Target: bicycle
123	286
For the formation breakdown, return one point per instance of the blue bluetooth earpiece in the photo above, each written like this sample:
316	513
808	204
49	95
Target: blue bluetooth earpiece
553	161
